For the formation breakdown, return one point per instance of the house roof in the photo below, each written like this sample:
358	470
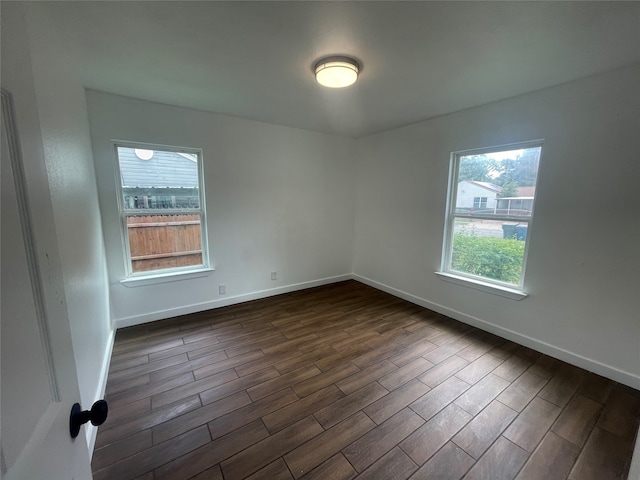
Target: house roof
162	170
526	191
487	185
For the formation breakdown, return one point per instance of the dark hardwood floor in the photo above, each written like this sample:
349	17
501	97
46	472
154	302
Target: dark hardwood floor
345	381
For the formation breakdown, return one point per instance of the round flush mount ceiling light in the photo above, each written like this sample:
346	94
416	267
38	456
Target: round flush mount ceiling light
336	71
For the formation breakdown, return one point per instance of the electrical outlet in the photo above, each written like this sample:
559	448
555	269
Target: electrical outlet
274	275
222	289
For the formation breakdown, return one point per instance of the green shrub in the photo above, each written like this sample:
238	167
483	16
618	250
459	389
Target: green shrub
496	258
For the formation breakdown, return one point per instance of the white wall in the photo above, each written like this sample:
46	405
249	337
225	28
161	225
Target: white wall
64	128
277	199
582	272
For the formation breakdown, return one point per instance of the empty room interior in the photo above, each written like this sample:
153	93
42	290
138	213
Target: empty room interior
311	240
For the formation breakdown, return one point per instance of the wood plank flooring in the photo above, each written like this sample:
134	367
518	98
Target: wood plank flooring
344	381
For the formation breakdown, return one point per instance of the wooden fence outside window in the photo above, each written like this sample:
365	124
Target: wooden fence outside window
164	241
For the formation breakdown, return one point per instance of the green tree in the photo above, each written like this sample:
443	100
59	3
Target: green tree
509	189
521	171
477	168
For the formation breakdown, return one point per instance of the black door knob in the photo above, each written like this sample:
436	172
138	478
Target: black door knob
97	415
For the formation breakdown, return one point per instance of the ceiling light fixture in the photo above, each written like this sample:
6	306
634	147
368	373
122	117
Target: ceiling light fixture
336	71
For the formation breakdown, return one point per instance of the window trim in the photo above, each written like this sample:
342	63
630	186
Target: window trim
516	292
165	274
478	283
140	281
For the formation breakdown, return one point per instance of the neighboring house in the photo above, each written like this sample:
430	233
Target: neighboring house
474	195
158	179
526	191
522	204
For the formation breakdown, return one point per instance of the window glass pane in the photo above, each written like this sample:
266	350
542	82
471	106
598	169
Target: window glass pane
164	241
498	183
157	179
489	248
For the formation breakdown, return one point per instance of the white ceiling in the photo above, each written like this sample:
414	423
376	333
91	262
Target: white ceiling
419	59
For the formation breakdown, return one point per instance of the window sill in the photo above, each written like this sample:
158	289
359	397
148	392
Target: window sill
139	281
512	293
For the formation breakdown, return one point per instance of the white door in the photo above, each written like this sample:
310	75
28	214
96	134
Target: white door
39	384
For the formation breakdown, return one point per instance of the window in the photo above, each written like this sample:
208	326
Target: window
489	214
480	202
161	201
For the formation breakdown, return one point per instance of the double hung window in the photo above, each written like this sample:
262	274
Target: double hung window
161	203
489	213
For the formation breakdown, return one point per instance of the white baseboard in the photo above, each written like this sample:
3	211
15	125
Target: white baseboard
608	371
224	302
92	431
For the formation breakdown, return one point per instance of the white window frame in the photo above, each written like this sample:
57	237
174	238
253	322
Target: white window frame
166	274
482	202
516	292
